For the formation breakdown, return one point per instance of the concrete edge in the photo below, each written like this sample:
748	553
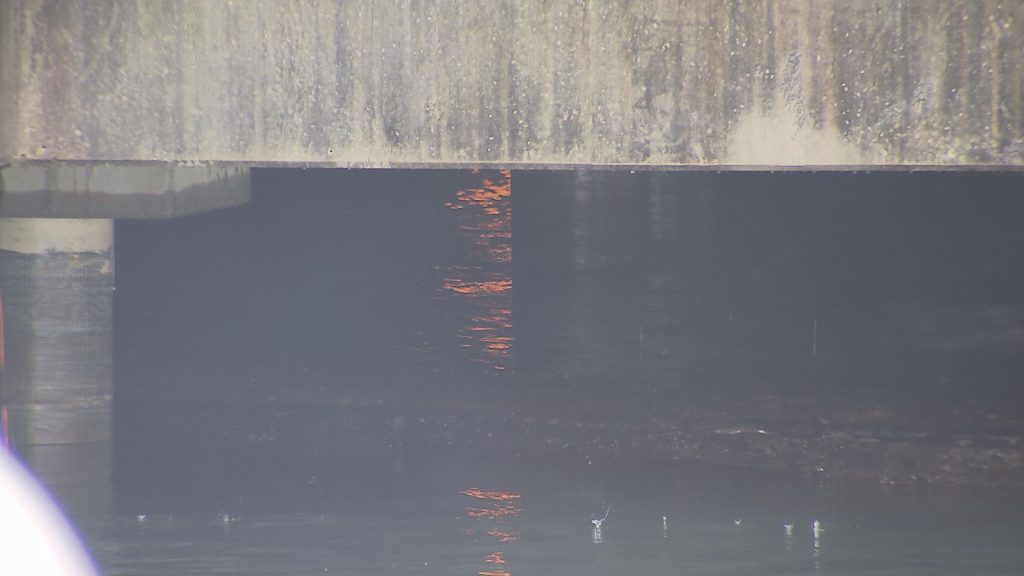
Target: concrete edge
538	166
119	190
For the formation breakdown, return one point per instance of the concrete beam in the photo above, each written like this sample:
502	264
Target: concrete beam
664	83
153	190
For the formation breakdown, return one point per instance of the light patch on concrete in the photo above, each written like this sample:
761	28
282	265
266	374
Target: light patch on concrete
782	139
45	235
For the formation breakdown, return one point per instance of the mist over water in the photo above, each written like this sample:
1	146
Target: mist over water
457	371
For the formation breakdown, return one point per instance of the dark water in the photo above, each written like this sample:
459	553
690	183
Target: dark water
295	378
478	513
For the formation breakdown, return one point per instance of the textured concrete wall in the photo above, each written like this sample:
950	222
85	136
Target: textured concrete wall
393	83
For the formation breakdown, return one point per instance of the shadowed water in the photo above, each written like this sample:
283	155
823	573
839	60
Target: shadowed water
456	372
459	512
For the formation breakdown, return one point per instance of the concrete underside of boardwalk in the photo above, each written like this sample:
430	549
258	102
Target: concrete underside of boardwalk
667	84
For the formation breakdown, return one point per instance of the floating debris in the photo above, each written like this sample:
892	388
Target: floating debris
595	532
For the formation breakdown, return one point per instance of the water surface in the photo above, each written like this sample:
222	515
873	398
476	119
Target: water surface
328	379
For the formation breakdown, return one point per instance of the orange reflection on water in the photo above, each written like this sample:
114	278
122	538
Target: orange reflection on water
501	253
478	288
495	558
490	494
497	343
498	511
498	319
491	198
504	536
484	217
500	506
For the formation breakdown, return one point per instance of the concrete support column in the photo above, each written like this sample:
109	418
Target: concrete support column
57	278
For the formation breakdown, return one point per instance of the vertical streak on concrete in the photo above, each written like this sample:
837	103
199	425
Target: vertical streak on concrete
1016	67
994	23
502	74
676	80
581	54
321	35
712	70
393	26
821	95
604	96
423	33
514	112
874	105
764	79
53	55
690	62
1007	26
355	56
789	75
189	123
843	52
10	79
921	56
491	79
668	112
529	81
1014	74
516	96
57	280
455	88
339	99
821	63
906	80
659	82
953	90
253	20
977	79
564	127
736	32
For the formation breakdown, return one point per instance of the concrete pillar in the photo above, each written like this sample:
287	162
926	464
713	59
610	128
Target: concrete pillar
57	278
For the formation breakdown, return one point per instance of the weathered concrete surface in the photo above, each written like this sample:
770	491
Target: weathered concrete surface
88	190
57	279
45	236
840	83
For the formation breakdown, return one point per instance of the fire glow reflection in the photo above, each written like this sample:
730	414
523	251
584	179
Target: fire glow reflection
499	507
484	216
498	559
498	504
